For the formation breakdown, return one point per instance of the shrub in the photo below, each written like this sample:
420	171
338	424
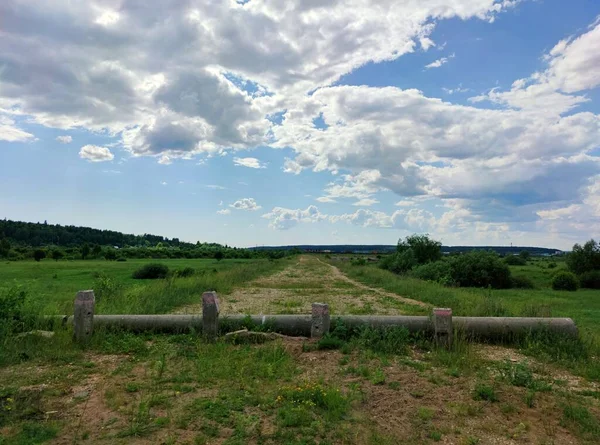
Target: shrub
552	265
514	260
151	271
39	254
400	262
437	271
425	249
564	280
186	272
359	262
121	259
590	279
480	269
584	258
12	313
522	282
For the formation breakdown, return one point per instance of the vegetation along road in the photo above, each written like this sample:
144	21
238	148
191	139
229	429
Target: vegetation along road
369	387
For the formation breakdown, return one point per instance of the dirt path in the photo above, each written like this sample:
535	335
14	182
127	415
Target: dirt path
340	275
310	280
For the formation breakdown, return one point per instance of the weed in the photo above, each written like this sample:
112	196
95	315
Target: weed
435	435
378	377
425	414
395	385
484	392
580	419
530	398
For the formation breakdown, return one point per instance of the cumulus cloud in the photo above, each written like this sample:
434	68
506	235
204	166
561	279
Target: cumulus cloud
64	139
283	219
189	77
224	212
572	67
249	162
94	153
439	62
10	133
245	204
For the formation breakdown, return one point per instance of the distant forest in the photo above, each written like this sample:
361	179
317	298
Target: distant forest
24	240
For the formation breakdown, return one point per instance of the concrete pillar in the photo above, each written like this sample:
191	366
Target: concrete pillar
320	320
210	315
442	326
83	318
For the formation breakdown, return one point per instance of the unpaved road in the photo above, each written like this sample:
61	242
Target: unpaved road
309	280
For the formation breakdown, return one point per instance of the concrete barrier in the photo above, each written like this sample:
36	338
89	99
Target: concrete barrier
442	325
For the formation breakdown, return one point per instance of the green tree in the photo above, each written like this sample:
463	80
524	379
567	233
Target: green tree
4	247
524	254
39	254
219	255
424	248
584	258
85	250
96	250
57	254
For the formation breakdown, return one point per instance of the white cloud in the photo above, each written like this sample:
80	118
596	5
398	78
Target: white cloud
325	199
130	70
165	160
215	187
224	212
283	219
249	162
9	132
163	183
572	67
64	139
365	202
94	153
405	203
220	203
439	62
245	204
112	172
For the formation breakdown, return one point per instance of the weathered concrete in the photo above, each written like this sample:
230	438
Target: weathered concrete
442	326
301	325
320	320
210	315
83	317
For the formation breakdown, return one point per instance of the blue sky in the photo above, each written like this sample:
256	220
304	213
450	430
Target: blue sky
265	123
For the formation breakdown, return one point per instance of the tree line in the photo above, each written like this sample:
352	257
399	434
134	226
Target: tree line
38	241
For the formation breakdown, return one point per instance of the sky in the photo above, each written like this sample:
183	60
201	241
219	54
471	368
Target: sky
264	122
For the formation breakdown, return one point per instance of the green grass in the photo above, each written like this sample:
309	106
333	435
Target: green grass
52	285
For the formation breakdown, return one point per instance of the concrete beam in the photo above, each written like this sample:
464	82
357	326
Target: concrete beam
83	317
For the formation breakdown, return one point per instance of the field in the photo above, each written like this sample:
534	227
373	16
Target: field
366	389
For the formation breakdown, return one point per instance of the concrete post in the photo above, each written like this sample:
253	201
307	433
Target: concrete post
83	317
320	320
210	315
442	326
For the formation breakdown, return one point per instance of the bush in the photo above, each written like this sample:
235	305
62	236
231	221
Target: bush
514	260
438	271
12	313
184	273
590	279
400	262
564	280
584	258
151	271
121	259
425	250
480	269
522	282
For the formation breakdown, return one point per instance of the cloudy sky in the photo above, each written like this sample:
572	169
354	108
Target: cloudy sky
286	122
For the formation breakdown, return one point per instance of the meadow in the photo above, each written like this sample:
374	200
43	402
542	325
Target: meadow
368	387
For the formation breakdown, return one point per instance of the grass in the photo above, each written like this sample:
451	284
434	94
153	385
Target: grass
164	387
52	285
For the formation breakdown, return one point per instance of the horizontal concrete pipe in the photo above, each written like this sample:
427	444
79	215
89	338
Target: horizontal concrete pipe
442	325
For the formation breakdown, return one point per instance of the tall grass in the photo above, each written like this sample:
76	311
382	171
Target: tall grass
162	296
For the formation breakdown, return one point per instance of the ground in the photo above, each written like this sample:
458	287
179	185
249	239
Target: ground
147	389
